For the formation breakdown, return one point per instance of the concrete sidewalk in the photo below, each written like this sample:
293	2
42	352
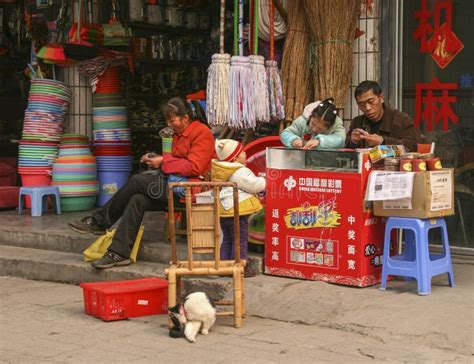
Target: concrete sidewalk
289	321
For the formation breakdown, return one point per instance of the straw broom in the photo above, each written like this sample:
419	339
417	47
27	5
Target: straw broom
332	27
217	104
295	70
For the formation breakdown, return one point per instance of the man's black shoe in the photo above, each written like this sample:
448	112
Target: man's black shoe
87	225
109	260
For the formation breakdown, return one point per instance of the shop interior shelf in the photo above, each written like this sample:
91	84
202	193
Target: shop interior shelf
150	65
146	28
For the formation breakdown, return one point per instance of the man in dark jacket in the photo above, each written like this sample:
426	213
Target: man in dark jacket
379	124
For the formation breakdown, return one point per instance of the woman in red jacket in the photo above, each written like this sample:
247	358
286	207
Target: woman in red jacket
192	151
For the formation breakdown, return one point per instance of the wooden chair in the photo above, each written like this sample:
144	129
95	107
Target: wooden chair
203	240
179	224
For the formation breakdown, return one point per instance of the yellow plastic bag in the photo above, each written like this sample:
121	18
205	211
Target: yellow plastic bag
99	247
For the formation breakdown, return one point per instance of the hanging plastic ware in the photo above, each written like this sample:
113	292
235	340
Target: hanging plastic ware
258	73
275	92
217	95
241	95
54	52
77	48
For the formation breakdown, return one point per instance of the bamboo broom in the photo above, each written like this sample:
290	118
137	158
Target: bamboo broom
332	27
295	70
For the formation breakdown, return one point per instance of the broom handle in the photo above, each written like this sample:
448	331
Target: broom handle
78	35
251	30
236	26
221	28
272	31
241	27
255	28
89	12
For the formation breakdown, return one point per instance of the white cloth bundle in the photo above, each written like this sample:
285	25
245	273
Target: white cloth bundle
217	103
241	96
260	88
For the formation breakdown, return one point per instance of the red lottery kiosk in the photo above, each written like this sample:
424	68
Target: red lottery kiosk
318	224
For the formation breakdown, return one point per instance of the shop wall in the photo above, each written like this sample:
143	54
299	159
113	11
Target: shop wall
430	63
366	54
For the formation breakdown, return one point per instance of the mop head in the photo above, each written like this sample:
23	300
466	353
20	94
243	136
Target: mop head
277	105
260	88
217	99
241	95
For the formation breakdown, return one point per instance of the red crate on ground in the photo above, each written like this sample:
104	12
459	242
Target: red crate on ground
118	300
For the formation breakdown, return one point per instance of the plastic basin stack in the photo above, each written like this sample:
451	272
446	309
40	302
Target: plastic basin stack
42	128
75	173
112	139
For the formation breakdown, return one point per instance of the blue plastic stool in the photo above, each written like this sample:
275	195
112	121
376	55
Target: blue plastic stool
416	260
39	199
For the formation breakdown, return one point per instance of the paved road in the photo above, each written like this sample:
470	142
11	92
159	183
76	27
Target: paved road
43	322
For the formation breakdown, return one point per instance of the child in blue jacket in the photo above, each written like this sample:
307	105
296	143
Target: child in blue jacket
318	128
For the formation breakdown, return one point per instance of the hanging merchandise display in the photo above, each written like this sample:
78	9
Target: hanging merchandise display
332	29
217	95
54	51
90	31
77	48
258	73
295	69
135	10
241	95
275	92
115	34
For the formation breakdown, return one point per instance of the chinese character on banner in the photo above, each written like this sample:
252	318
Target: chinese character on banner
444	45
436	108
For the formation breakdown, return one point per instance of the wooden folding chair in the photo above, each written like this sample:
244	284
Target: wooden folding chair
203	239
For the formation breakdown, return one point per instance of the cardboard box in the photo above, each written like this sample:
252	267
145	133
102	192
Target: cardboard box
433	196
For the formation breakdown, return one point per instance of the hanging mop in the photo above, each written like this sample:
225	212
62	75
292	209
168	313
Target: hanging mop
258	73
217	95
241	95
275	92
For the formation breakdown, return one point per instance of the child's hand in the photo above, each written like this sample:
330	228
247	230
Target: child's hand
311	144
297	144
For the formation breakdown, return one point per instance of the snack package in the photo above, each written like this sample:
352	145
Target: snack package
380	152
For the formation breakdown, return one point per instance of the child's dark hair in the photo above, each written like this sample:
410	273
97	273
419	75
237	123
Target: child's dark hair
181	107
326	111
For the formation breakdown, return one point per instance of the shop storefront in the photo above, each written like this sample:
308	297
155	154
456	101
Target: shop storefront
427	56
